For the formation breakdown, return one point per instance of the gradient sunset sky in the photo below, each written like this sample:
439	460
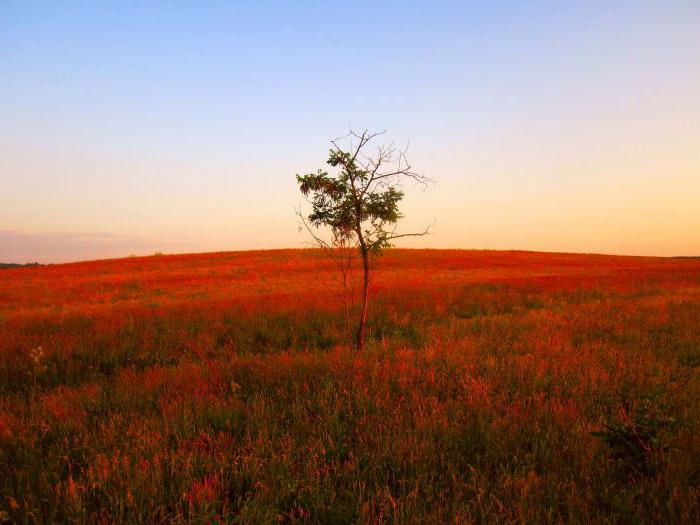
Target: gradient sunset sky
134	127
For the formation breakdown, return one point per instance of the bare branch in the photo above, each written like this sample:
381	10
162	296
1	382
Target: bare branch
363	139
417	234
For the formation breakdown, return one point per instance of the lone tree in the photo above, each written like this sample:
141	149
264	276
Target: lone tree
360	205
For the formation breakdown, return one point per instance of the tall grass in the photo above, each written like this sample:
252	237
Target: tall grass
522	396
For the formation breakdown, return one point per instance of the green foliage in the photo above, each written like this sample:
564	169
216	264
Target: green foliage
361	202
637	441
341	204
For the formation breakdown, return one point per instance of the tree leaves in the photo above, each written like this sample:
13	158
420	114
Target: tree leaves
349	203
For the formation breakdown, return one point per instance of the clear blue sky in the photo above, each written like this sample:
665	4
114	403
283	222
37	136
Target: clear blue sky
131	127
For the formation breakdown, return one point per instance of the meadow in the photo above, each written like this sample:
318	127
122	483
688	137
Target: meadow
496	387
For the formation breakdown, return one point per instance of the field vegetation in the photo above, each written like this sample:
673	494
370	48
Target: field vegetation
494	387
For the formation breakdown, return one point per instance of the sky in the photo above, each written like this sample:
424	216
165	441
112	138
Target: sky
135	127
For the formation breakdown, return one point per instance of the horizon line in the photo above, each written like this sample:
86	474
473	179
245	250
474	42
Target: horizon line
35	263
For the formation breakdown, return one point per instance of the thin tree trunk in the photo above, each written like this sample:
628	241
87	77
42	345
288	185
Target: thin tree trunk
365	300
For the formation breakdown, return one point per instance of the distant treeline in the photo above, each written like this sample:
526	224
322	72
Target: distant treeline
5	266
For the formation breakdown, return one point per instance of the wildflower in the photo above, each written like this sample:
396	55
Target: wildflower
36	354
72	489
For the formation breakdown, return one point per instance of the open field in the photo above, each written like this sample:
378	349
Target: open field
496	387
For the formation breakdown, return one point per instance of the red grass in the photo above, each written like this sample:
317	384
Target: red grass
216	387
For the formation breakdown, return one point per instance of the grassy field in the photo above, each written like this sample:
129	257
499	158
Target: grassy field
497	387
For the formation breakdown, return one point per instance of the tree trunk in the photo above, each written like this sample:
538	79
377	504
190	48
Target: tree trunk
365	300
